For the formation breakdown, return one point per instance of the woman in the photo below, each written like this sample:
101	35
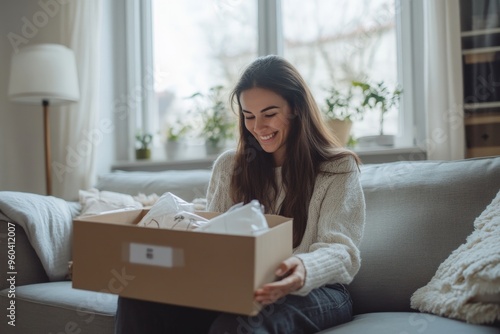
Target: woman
288	160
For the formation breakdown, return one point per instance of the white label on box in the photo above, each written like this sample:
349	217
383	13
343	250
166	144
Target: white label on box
151	255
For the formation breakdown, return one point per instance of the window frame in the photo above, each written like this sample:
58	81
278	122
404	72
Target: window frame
139	76
405	47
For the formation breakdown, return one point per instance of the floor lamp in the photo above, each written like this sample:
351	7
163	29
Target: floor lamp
44	74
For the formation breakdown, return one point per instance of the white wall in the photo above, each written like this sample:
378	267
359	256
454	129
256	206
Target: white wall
21	126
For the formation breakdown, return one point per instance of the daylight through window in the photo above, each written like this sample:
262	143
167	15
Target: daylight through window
199	45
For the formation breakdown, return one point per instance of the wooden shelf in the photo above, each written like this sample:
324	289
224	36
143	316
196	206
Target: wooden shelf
482	105
471	33
476	152
481	50
482	119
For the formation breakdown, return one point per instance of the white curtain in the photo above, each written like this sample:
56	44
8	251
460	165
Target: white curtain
443	80
75	134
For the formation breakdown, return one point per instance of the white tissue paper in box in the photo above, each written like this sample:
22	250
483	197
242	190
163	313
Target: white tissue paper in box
172	212
241	219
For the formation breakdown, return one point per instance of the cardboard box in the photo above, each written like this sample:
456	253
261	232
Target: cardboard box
204	270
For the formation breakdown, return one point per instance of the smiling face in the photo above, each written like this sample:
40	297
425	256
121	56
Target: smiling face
267	117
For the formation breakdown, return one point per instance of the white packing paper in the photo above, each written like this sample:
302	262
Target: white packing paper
172	212
245	219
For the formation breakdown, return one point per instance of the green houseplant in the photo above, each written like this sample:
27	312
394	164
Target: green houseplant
218	125
340	113
177	131
379	97
142	145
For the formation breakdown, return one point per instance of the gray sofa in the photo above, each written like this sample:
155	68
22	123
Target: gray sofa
417	214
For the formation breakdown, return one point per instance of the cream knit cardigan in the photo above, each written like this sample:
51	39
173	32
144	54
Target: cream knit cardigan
329	248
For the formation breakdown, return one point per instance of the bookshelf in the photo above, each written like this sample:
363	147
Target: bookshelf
480	37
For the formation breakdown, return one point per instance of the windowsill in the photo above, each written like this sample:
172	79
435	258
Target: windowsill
383	150
381	154
159	162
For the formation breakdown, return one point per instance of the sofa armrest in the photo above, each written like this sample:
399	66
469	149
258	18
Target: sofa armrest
28	267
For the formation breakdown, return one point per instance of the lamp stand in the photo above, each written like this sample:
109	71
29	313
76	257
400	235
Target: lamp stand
46	136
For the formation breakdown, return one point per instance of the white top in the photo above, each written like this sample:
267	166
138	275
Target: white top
281	192
329	248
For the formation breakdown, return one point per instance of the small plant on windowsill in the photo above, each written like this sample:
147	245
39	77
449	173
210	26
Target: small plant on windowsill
379	97
340	113
142	150
177	131
218	125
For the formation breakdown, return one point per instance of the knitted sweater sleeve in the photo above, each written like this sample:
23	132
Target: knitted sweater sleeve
218	199
329	248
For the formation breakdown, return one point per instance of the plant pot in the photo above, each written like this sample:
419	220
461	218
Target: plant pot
385	140
143	153
380	140
341	130
173	150
212	148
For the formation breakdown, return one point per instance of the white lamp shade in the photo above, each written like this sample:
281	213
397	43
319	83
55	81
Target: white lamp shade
44	72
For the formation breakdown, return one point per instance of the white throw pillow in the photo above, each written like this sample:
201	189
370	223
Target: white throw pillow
466	285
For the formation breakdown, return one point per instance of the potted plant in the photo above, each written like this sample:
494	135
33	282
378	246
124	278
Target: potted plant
142	150
377	96
218	125
174	134
340	113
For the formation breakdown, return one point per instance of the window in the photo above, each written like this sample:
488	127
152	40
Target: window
198	45
190	46
333	43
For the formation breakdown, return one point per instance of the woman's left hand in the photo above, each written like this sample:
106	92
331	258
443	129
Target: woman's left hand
293	273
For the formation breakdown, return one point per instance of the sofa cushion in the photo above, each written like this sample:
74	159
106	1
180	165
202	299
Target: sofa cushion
417	213
408	322
56	307
187	184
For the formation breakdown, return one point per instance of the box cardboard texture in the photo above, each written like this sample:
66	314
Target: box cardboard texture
204	270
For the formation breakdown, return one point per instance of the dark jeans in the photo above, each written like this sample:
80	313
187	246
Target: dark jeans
322	308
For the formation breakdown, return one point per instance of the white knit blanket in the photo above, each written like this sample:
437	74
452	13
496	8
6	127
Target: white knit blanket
47	221
471	272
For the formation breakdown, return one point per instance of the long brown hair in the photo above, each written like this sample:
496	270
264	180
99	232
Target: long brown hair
308	144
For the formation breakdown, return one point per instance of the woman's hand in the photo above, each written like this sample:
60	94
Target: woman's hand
293	273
